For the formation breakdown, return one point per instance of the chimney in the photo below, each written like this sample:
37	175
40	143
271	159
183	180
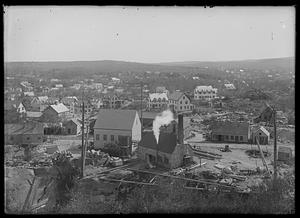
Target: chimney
180	129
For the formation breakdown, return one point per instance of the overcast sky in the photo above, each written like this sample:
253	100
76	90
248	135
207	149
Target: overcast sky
147	34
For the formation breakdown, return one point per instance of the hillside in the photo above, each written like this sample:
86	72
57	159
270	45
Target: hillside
91	67
259	64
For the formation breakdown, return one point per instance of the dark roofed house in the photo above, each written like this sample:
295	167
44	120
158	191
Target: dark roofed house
230	132
167	153
121	127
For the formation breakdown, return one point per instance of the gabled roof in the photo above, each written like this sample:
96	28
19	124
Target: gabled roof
175	95
234	128
166	143
157	96
115	119
43	99
263	129
75	121
59	108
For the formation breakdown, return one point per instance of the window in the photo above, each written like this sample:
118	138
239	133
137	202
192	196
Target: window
184	107
39	138
104	137
241	138
183	97
232	137
226	137
97	137
112	138
180	102
186	102
180	107
28	138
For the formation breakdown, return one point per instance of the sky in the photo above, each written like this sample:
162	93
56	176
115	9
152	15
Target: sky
147	34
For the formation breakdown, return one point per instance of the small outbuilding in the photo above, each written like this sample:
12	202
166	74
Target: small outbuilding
284	153
73	127
262	135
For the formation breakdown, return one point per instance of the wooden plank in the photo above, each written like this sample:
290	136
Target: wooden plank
212	182
125	181
262	156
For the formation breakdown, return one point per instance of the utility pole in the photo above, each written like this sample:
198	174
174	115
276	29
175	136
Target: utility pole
82	138
275	145
141	108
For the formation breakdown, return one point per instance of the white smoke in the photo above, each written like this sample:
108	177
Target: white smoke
164	118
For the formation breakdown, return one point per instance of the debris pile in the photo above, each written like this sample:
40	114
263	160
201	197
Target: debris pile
99	158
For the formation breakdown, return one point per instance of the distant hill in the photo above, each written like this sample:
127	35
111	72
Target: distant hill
106	66
92	66
272	63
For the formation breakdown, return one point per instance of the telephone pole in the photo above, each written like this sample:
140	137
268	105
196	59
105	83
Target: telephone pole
275	145
82	138
142	107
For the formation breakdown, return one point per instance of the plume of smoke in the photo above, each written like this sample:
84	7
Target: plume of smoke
164	118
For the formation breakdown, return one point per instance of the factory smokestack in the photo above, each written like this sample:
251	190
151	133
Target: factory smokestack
164	118
180	129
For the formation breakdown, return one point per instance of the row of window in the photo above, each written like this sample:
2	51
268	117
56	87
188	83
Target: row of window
105	137
184	107
236	138
205	96
204	92
160	159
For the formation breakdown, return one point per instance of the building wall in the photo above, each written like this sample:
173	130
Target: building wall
263	138
183	104
75	130
229	139
143	153
205	95
101	132
49	113
137	129
24	139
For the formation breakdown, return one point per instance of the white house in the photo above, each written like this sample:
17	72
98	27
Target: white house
229	86
122	127
205	93
179	101
21	109
157	100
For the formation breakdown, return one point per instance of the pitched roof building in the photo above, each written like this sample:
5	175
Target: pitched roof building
117	126
230	131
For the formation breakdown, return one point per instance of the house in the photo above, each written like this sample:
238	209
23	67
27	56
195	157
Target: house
122	127
158	101
178	101
161	89
229	86
21	108
112	101
88	107
70	102
225	131
262	135
24	133
55	112
39	103
73	127
166	153
205	93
